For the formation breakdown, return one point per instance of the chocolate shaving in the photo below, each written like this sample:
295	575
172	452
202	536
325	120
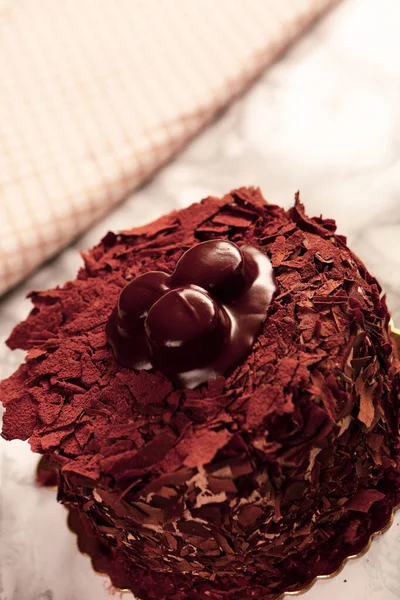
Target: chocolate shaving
249	485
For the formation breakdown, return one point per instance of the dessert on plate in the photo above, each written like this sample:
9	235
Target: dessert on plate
219	393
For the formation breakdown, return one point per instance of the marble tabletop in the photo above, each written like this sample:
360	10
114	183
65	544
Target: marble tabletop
326	120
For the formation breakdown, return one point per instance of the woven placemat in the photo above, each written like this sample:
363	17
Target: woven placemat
96	94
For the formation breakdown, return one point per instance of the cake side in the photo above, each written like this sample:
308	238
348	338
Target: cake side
248	478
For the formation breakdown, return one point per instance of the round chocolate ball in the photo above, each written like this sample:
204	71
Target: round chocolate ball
186	327
215	265
138	296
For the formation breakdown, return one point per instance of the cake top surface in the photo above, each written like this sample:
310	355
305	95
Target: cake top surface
322	359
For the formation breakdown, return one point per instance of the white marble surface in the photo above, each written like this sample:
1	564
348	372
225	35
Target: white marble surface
325	120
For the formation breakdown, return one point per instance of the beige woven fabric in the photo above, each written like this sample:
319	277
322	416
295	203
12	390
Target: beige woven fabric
96	94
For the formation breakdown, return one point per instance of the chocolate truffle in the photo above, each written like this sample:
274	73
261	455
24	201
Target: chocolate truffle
243	485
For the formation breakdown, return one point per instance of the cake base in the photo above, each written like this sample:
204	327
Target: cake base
89	546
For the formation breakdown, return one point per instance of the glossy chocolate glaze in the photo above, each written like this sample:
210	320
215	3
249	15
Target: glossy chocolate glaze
199	322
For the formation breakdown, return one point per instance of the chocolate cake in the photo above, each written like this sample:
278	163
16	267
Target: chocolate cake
227	427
